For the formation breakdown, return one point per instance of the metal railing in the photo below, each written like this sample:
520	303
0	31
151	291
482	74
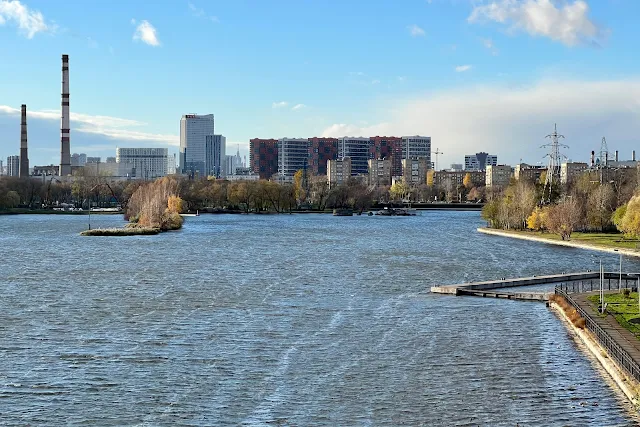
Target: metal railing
615	352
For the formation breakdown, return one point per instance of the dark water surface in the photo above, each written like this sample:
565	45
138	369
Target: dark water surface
287	320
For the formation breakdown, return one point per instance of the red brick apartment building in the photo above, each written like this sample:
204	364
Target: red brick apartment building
263	157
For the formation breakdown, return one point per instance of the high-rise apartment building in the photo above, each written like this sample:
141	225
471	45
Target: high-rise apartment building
479	161
293	155
148	163
111	160
215	156
263	157
320	150
498	176
13	166
194	130
338	171
388	147
357	149
415	171
414	147
94	159
379	172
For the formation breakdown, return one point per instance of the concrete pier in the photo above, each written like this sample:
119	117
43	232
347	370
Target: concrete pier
491	288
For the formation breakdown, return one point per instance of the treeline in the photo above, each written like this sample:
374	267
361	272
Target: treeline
589	204
311	192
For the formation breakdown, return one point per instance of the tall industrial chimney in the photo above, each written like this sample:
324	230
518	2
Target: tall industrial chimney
633	155
593	158
616	155
24	155
65	150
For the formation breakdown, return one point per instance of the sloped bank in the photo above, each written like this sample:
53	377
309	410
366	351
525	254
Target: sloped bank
568	243
627	384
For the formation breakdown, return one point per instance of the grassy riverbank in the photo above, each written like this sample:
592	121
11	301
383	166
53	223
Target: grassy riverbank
624	308
587	240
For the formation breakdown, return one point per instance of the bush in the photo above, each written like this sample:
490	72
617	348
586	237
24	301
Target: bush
626	292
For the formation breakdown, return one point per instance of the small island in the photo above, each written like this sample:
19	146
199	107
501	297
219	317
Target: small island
153	208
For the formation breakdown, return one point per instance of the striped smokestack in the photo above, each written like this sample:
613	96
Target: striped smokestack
24	155
65	150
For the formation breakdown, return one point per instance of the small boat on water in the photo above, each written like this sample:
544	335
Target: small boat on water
191	214
343	212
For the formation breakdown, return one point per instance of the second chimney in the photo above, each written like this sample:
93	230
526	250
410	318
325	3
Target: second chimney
24	155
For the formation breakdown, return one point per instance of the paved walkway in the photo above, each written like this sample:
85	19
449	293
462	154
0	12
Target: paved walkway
620	335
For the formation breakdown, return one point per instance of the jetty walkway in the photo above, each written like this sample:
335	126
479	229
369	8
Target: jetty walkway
574	282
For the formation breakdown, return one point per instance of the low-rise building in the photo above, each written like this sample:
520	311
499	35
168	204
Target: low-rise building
498	176
569	171
112	170
414	171
338	171
379	172
49	170
455	178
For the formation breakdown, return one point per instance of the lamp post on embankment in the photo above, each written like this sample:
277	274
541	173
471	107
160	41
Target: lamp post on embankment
620	280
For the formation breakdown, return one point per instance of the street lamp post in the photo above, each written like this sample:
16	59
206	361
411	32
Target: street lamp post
620	280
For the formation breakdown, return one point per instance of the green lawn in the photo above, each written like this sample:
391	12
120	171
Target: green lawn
609	240
625	310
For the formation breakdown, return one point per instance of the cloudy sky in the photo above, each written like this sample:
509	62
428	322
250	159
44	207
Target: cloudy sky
475	75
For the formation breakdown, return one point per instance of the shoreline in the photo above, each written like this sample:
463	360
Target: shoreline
627	385
567	243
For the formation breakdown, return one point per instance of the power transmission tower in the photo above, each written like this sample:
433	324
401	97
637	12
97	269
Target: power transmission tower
603	157
555	157
437	152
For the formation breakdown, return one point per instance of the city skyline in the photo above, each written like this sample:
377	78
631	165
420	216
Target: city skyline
473	77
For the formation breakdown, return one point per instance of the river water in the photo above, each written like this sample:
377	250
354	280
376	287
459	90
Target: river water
287	320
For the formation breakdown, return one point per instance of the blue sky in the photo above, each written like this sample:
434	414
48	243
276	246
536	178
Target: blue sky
475	75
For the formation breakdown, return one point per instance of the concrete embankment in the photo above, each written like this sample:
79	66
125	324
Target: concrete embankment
627	384
568	243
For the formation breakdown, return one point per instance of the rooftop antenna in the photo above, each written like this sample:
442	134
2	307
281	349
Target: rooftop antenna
555	157
437	152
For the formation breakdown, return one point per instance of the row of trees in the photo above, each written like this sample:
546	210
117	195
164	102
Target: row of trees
588	204
310	192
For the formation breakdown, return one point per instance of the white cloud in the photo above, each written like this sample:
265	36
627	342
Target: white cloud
111	127
198	12
415	30
30	22
298	107
463	68
375	81
146	33
488	43
512	122
356	73
567	23
280	104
